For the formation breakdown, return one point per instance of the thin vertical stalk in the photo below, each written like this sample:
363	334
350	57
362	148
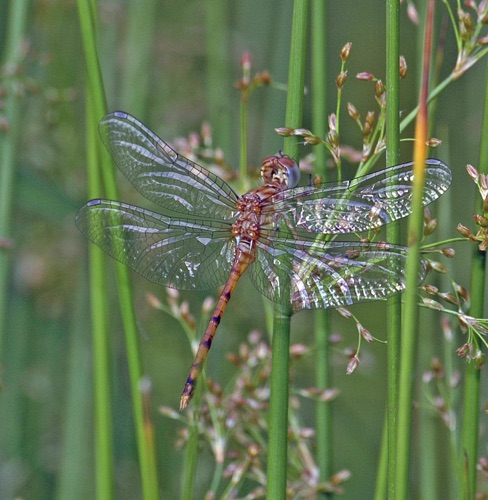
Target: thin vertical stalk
410	311
393	318
323	418
74	479
145	440
138	56
217	69
471	403
278	418
14	54
100	336
278	411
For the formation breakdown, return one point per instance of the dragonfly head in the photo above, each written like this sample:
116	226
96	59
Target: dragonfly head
280	169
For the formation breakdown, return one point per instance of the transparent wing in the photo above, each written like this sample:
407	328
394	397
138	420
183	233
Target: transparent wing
311	275
160	174
184	254
359	204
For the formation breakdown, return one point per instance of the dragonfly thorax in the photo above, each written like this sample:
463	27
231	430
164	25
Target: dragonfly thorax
280	169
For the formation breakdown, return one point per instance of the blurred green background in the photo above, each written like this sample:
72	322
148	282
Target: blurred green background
173	65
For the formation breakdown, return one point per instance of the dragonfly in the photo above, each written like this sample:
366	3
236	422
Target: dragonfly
284	235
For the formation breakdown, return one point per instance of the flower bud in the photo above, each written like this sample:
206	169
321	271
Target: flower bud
284	131
352	365
341	79
464	231
448	252
379	88
430	226
153	301
346	51
403	67
366	334
352	111
433	304
480	220
364	75
433	142
437	266
344	312
463	351
430	289
472	172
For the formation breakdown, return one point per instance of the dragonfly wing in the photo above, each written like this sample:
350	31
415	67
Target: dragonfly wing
162	175
184	254
317	275
360	204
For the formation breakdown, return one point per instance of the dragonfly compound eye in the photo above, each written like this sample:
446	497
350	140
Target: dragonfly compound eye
280	169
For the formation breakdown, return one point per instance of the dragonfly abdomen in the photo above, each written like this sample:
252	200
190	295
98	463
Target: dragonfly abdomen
241	262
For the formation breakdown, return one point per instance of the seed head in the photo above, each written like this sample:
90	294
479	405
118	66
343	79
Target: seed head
463	350
464	231
284	131
403	67
379	89
341	79
364	75
480	220
448	252
352	111
412	13
430	226
366	334
346	51
437	266
352	365
433	142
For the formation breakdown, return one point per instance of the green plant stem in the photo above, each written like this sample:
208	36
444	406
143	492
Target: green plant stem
243	144
323	426
217	71
393	318
409	331
471	403
104	467
14	55
138	56
97	104
278	410
278	423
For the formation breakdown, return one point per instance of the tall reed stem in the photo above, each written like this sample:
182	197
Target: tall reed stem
471	403
8	141
97	103
322	318
278	418
393	318
410	311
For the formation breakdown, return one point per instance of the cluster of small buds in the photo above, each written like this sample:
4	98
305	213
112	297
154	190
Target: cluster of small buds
199	147
468	32
246	84
481	220
308	137
436	392
317	394
235	441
